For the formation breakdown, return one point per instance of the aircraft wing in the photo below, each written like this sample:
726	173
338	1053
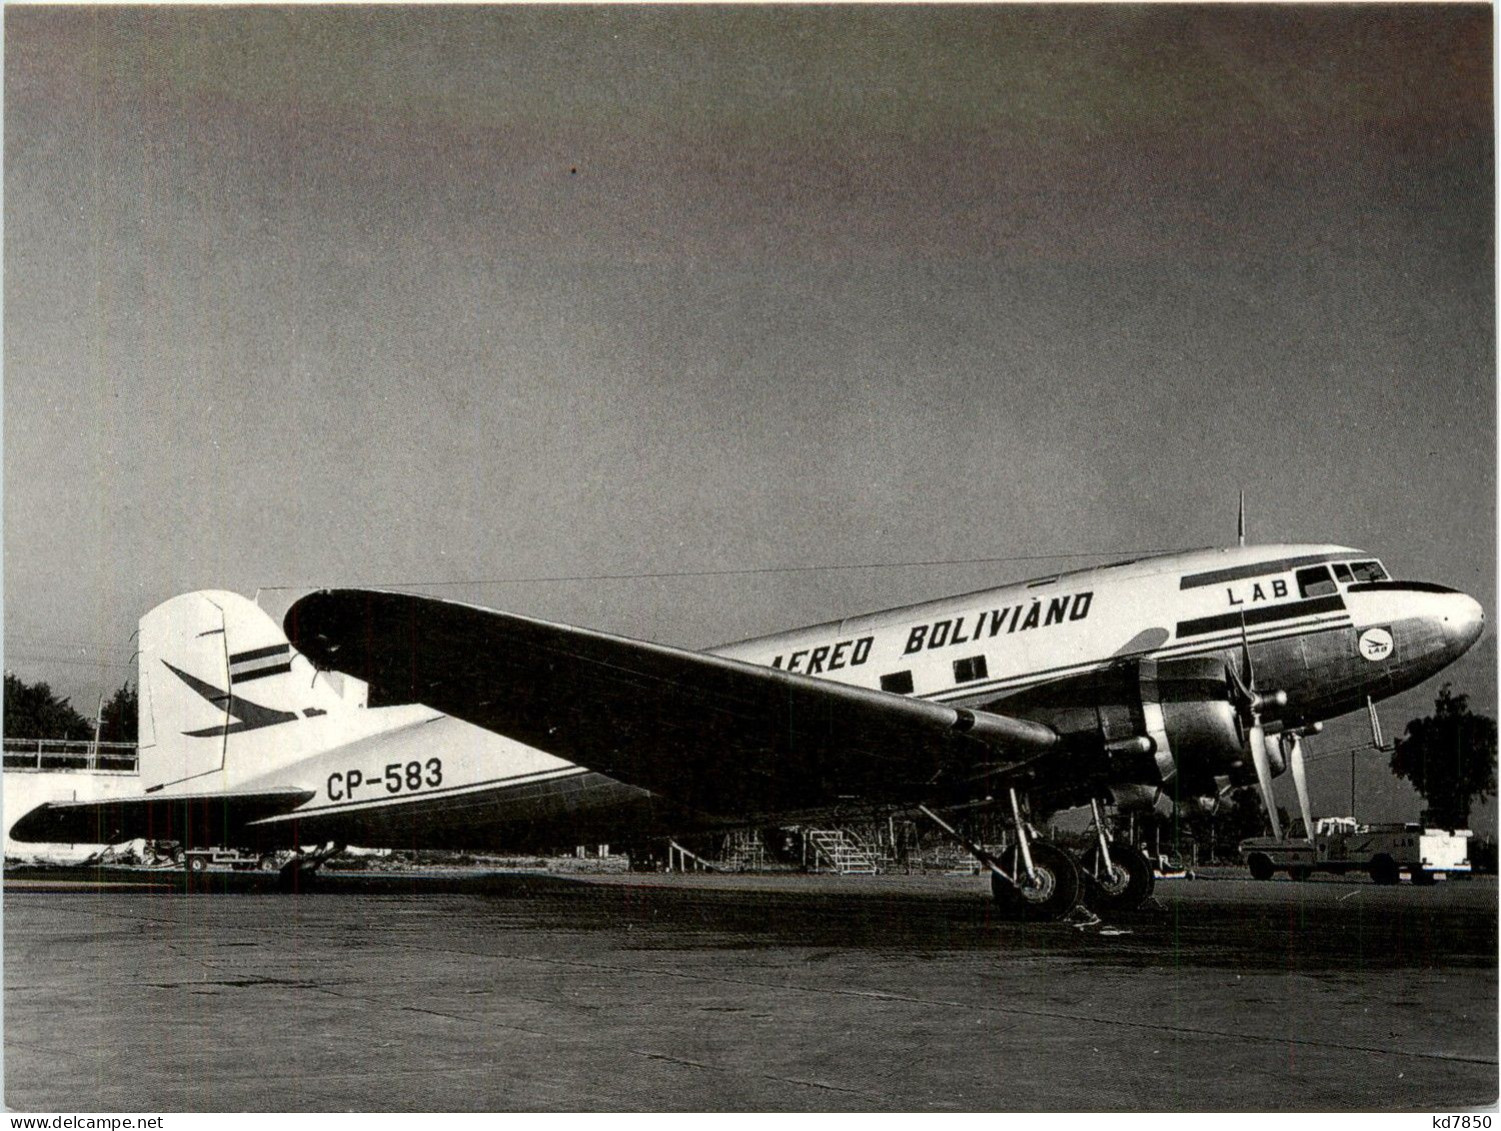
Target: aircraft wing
715	734
191	819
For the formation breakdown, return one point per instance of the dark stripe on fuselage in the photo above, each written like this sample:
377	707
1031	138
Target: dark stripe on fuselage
1255	569
966	693
1233	639
1266	614
491	785
258	653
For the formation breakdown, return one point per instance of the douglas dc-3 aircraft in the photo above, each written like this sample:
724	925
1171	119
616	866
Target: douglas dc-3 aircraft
1156	682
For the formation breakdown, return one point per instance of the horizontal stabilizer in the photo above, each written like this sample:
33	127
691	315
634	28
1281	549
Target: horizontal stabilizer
193	820
709	732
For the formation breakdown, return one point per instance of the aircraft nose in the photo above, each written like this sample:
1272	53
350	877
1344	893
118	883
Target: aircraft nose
1464	621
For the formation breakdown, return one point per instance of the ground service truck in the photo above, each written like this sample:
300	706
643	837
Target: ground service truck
1341	845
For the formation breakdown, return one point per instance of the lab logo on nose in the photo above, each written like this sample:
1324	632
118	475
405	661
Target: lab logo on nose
1375	643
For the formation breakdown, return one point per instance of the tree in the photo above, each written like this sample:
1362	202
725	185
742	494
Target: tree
1450	758
33	711
119	717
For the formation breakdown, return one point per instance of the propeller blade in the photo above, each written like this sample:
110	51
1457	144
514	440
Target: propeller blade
1300	781
1245	651
1256	740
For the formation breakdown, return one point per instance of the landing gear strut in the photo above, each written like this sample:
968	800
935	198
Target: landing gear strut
1045	880
1116	876
1049	891
1031	879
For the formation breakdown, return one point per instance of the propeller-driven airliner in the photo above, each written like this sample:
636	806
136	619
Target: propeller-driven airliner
383	718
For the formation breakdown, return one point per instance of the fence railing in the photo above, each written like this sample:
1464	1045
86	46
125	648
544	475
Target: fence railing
65	754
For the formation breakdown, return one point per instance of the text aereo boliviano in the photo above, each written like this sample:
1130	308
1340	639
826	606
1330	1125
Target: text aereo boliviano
943	633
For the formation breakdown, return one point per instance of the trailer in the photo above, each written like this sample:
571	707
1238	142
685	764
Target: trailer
204	859
1340	845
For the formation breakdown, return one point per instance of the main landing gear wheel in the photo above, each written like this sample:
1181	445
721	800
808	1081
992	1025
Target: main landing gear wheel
1123	886
1261	867
1049	893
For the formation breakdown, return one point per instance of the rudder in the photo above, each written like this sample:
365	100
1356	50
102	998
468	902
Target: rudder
215	671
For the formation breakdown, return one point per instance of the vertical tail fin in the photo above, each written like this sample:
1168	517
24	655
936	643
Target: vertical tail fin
219	680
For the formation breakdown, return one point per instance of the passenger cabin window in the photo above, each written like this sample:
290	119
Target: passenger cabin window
1316	582
898	683
1342	573
1368	571
966	671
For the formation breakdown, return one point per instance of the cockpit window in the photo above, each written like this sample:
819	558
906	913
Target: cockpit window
1368	571
1316	582
1342	573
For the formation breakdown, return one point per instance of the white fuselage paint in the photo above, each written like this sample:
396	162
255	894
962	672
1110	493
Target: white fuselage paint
410	775
1161	608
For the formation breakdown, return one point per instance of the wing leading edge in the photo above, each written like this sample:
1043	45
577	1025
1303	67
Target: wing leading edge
712	733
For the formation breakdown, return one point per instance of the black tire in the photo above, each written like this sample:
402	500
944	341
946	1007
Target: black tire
1125	887
197	864
1052	894
1423	878
267	863
1298	873
1261	867
1384	870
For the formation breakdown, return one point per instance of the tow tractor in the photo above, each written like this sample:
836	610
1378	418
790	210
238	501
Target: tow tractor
1342	845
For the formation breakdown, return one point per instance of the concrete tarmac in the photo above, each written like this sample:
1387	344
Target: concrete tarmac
746	993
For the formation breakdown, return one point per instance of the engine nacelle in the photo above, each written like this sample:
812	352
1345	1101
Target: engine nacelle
1184	707
1200	725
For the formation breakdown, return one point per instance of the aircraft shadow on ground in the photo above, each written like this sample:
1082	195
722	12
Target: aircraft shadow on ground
1288	927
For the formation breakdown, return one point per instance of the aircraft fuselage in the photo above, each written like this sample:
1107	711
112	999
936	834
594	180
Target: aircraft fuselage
1137	673
1324	624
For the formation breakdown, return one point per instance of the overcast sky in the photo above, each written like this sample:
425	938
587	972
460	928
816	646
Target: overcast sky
309	296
